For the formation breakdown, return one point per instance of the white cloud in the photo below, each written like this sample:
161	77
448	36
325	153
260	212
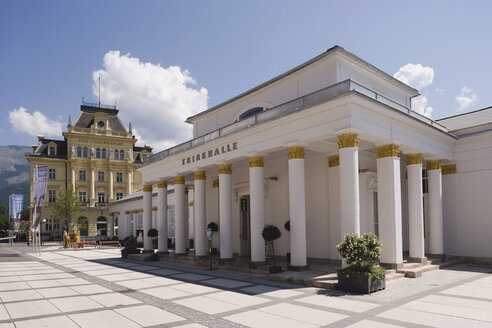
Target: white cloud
466	98
34	124
415	75
155	99
418	77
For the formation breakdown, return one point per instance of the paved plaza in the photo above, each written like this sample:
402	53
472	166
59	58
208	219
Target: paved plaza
96	288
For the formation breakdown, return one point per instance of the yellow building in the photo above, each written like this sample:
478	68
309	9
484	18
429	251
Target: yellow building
98	159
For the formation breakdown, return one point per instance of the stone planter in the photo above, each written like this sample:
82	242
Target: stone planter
364	286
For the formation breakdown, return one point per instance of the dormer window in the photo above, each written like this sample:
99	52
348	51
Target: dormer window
250	112
52	151
100	124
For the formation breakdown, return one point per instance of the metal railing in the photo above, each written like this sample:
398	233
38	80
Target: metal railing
301	103
98	105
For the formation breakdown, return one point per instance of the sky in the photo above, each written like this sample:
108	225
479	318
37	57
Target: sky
163	61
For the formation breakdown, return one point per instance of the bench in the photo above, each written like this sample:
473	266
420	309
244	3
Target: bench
109	243
81	244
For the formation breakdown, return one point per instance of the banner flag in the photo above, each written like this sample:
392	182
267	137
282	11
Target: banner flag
39	194
15	211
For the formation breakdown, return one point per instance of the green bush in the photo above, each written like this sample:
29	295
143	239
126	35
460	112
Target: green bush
287	225
152	233
213	226
271	233
361	254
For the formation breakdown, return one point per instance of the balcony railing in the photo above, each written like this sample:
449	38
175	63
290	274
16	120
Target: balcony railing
304	102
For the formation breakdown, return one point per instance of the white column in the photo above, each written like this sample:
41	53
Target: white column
200	214
187	219
111	225
191	214
73	178
435	208
415	208
389	205
257	198
334	204
93	187
349	184
297	207
147	217
225	211
111	177
179	210
162	216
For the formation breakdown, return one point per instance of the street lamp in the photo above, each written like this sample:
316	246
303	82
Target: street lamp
41	231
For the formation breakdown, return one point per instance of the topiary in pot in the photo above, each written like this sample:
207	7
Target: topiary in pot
153	233
213	226
361	273
130	246
287	227
271	233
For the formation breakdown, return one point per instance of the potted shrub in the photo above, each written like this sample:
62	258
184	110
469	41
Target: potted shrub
153	233
287	227
271	233
361	254
130	246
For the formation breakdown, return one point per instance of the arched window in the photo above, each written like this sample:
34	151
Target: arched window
250	112
122	154
79	151
103	153
115	154
85	152
98	153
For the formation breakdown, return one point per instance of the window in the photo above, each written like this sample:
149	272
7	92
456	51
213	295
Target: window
103	153
82	175
101	197
52	151
79	151
376	212
170	221
83	196
51	225
250	112
51	196
100	124
119	176
98	153
100	176
425	182
85	152
122	155
119	195
52	174
131	224
116	154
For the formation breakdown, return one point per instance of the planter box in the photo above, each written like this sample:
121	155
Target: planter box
365	286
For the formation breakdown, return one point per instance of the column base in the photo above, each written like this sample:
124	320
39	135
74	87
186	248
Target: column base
177	255
441	257
163	252
148	251
297	267
228	260
421	260
257	264
392	266
200	257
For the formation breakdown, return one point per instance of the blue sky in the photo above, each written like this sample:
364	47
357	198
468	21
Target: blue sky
200	53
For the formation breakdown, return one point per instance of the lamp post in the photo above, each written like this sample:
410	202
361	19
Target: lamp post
41	232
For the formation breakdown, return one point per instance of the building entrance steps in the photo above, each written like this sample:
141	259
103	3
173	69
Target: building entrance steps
415	270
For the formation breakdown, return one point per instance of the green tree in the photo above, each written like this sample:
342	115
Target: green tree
67	208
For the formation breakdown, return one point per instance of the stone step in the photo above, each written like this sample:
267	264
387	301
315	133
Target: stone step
415	272
392	275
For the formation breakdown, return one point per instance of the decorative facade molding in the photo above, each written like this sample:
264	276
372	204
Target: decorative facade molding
225	169
346	140
414	159
162	184
179	179
215	184
147	188
295	152
449	169
334	161
256	161
200	175
434	165
390	150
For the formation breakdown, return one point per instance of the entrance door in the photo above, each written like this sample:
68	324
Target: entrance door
244	233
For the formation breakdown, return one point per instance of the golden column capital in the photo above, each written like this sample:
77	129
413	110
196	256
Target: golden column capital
414	159
127	212
154	208
200	175
390	150
179	179
346	140
334	161
295	152
434	165
116	213
449	169
162	184
191	204
147	188
215	184
225	169
135	211
256	161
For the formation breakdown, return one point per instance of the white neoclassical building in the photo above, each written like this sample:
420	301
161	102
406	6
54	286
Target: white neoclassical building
333	146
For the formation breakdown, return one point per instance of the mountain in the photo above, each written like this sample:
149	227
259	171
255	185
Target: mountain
14	173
